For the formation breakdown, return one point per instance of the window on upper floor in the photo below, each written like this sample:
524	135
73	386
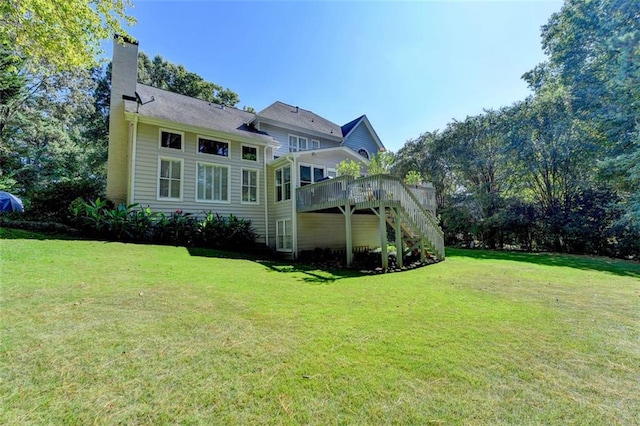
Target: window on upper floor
212	182
364	153
283	183
297	143
171	140
170	178
249	186
249	153
314	144
209	146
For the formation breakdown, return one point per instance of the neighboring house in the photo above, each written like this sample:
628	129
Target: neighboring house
276	168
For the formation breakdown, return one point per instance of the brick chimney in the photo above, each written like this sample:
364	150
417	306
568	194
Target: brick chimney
124	76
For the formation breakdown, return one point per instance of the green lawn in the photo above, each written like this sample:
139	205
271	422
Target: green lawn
111	333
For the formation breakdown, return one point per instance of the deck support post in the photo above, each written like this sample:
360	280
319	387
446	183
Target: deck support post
398	229
423	258
349	237
383	237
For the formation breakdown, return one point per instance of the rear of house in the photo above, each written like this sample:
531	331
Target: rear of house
173	152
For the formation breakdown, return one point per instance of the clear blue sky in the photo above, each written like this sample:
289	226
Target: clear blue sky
410	67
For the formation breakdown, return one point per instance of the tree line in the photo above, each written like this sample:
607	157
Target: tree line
559	170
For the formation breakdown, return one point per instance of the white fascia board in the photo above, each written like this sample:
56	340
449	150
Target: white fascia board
346	150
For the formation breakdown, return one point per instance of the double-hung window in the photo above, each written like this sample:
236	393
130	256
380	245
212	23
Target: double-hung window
283	183
284	236
212	182
249	186
169	178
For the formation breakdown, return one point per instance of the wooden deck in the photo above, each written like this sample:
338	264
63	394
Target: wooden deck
376	195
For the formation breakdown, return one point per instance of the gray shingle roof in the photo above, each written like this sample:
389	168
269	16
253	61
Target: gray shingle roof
284	113
194	112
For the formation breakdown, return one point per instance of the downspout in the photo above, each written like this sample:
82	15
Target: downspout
132	167
294	218
266	197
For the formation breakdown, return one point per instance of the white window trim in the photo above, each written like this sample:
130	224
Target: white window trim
297	143
257	172
317	166
317	142
256	161
284	225
158	197
205	163
177	132
368	157
275	183
211	138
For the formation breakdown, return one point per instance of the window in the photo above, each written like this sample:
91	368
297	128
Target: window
249	186
170	178
212	183
297	143
331	173
364	153
171	140
283	183
314	144
310	174
208	146
249	153
284	240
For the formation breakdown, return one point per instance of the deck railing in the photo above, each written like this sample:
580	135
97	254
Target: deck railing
373	191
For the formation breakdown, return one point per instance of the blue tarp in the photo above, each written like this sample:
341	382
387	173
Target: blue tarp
10	203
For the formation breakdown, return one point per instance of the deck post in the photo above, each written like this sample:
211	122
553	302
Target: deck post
349	237
398	229
383	237
422	256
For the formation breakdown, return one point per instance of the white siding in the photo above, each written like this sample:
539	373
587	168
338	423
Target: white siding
146	177
277	210
327	230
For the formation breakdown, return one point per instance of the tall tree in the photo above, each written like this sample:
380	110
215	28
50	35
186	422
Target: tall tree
64	34
176	78
594	51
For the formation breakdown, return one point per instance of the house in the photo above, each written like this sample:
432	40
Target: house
276	168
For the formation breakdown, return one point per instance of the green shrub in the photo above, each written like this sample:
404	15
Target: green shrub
52	203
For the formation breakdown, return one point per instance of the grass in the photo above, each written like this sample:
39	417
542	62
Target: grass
110	333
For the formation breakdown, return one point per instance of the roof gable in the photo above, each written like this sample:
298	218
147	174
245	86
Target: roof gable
350	127
279	112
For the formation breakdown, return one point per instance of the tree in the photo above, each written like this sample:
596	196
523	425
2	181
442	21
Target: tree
381	163
64	34
594	51
175	78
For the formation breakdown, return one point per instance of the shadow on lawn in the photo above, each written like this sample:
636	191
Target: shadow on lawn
604	264
313	275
